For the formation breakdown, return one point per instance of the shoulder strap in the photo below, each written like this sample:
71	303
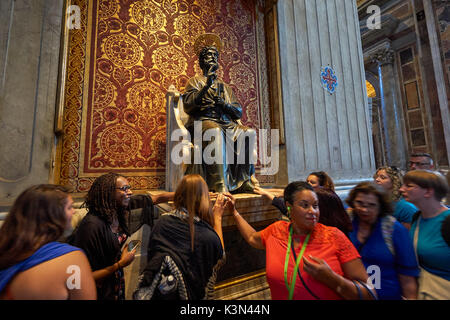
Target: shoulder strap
445	230
415	216
387	229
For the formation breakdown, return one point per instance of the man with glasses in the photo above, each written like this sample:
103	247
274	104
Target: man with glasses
420	161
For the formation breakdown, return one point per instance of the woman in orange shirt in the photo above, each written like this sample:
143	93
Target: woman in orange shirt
305	259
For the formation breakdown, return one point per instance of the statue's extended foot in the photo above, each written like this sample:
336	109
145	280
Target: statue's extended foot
219	188
247	187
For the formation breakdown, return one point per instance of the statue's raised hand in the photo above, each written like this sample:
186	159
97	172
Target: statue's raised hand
211	76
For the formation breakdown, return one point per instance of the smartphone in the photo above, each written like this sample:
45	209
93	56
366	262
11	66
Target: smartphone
134	244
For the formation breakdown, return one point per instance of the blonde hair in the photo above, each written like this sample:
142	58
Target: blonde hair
396	179
428	179
192	194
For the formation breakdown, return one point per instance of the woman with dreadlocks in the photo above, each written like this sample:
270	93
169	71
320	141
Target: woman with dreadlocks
106	227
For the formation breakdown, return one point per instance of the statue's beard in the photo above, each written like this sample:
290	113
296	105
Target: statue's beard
210	67
213	66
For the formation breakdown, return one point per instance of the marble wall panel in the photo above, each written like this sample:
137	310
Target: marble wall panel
324	131
29	57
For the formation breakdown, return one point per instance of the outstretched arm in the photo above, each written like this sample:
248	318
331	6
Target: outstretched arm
250	235
264	193
218	209
162	197
277	202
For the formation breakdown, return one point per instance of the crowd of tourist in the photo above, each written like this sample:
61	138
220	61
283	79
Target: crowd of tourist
388	240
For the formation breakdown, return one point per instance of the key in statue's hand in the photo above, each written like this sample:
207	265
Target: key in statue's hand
218	101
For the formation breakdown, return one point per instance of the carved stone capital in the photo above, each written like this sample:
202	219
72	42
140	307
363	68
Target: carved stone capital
383	56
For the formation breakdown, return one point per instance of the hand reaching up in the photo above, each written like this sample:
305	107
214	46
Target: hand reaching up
264	193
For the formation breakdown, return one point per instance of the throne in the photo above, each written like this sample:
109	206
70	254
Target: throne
175	120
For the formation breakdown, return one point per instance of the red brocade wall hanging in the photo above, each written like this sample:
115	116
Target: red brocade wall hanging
120	64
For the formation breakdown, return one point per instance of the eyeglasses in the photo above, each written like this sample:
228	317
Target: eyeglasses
411	163
410	186
124	188
360	204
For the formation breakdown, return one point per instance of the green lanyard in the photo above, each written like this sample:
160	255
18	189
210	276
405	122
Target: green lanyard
291	287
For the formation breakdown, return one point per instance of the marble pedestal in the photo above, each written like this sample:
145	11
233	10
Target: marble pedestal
243	275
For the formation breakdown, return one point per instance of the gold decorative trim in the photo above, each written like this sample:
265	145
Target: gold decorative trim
240	279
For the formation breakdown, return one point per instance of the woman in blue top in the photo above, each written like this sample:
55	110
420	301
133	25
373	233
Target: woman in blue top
390	179
430	231
383	243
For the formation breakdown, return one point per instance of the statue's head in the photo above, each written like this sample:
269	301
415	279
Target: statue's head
208	56
207	46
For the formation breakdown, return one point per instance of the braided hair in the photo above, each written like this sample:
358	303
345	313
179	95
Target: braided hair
101	200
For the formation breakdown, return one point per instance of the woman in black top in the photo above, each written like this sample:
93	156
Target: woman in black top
104	230
187	245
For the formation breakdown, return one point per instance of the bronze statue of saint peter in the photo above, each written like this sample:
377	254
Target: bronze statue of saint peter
211	102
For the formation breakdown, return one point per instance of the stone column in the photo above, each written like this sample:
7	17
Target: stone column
29	56
328	132
438	73
395	149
